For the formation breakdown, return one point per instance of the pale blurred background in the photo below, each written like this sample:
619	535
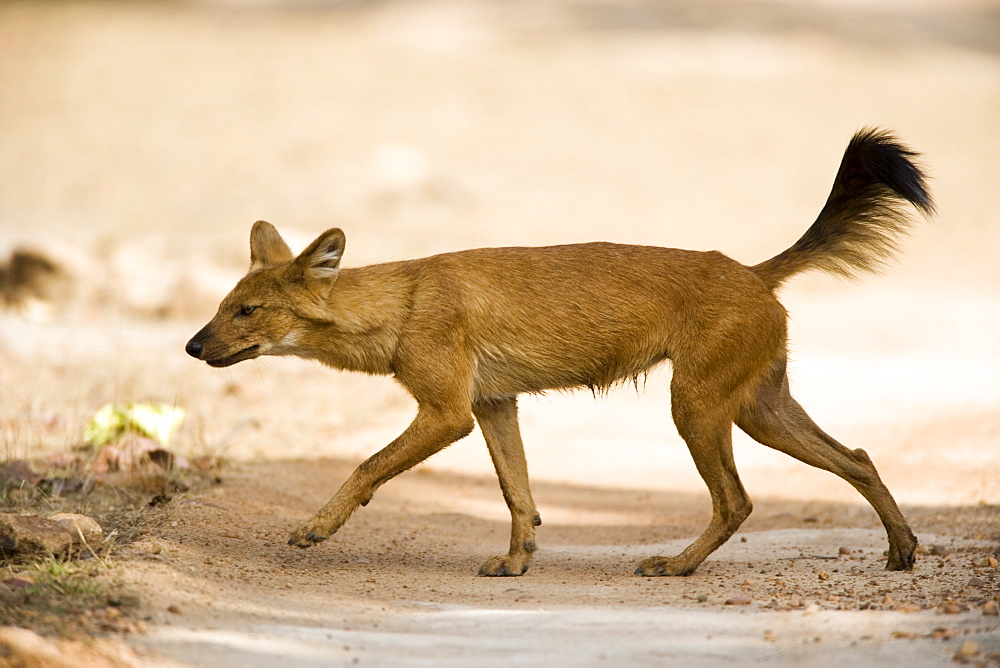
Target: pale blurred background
140	140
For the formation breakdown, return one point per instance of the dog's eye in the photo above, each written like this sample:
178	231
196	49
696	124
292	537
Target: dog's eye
246	310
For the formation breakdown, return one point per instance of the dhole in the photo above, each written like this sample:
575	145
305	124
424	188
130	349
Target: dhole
467	332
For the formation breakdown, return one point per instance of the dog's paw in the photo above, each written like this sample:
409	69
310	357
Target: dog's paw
308	534
505	566
657	566
901	559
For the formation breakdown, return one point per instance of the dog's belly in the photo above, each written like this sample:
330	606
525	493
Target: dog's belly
509	372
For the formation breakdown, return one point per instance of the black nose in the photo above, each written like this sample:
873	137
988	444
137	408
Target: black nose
194	348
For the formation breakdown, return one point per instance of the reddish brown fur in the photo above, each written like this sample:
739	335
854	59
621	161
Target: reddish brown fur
466	332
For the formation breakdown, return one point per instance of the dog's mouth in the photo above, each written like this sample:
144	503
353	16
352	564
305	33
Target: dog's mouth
247	353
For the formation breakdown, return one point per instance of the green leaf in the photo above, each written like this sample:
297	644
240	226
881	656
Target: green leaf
111	423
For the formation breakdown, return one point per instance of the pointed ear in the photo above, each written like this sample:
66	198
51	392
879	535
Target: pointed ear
321	261
267	248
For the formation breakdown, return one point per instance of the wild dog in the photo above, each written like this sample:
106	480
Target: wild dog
467	332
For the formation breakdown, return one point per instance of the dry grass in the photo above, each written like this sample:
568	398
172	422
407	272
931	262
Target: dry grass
83	596
69	599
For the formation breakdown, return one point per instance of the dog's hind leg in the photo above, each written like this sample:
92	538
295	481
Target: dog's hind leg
776	420
497	418
704	418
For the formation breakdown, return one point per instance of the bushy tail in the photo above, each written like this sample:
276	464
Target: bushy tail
862	220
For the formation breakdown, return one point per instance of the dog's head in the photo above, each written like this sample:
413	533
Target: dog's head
263	313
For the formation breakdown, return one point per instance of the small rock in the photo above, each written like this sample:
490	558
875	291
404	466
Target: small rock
173	609
18	474
19	582
909	608
27	648
952	608
823	575
128	455
81	525
769	636
159	500
943	633
59	485
978	583
966	650
19	494
21	647
844	550
181	485
992	562
32	537
738	600
903	634
991	608
939	551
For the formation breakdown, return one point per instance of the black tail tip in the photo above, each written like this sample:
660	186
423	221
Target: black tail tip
894	165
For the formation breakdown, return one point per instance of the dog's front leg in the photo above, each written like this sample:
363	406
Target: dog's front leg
498	420
434	428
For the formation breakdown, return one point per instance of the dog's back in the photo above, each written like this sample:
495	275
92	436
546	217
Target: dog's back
590	314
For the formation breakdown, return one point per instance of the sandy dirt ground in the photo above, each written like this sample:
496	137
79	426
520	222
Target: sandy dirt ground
139	141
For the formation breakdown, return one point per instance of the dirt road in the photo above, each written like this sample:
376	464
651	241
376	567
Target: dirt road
397	585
